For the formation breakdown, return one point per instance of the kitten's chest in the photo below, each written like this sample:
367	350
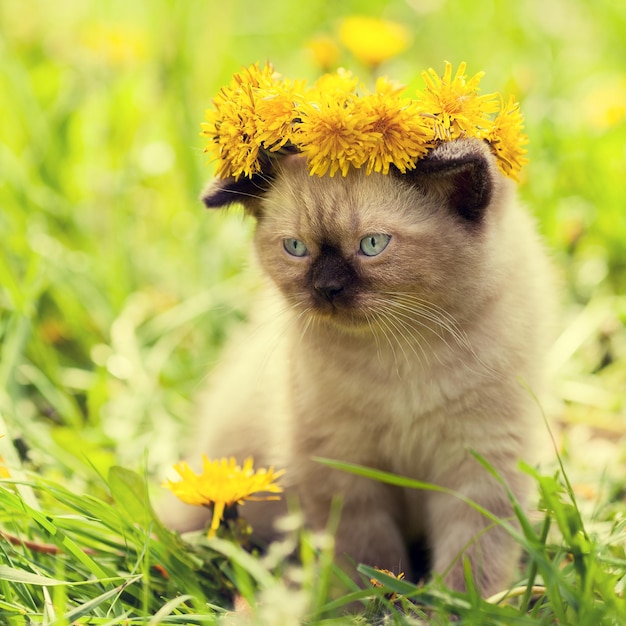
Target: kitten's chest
380	408
396	383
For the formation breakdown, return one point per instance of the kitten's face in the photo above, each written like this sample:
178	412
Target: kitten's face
367	250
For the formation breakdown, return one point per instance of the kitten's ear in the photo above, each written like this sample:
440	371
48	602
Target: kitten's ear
460	172
245	191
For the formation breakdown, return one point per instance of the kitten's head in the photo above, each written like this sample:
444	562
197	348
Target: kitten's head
350	250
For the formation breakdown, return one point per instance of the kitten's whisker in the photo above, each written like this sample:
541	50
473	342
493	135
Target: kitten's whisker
407	334
239	193
307	314
447	324
407	318
388	333
436	313
411	315
376	341
404	336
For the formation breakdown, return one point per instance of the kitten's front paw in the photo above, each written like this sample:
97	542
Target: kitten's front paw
373	540
492	557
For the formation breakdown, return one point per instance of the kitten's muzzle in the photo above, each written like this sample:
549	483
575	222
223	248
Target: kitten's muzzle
328	291
331	275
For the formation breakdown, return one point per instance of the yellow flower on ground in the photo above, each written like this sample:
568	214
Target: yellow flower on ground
4	470
116	44
223	483
604	106
453	106
324	51
372	40
507	138
376	583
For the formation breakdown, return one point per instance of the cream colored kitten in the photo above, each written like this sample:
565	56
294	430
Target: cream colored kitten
405	316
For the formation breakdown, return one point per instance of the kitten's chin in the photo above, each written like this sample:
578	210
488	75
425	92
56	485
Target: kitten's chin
340	315
347	319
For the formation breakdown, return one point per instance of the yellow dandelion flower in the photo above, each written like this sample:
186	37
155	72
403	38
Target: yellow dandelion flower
324	51
232	127
340	86
604	106
275	113
231	130
453	106
223	483
116	44
398	134
372	40
507	138
338	125
4	470
333	136
376	583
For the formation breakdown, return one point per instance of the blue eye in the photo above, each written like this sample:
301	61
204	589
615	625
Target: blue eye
295	247
373	245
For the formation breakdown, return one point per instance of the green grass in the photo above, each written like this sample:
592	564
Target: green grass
117	291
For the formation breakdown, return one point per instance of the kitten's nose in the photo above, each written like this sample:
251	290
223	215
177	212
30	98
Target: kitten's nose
331	274
330	290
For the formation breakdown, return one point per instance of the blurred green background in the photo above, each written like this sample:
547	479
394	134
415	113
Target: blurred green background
117	288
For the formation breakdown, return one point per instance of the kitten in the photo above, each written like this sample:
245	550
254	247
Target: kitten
405	316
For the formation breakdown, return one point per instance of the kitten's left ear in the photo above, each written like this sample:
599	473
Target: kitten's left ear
248	192
462	173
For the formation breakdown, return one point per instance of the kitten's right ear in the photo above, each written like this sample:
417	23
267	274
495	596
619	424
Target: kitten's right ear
248	192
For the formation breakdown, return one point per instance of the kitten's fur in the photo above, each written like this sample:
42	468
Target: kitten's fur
406	361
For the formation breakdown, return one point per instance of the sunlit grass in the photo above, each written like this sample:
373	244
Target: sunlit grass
117	291
111	560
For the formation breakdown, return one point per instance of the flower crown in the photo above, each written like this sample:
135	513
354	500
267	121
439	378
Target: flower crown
337	126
